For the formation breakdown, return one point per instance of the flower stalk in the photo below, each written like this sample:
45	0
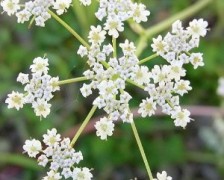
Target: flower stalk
73	80
82	127
138	140
72	31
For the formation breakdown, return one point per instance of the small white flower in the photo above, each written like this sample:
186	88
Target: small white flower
32	147
140	13
52	175
15	100
104	127
42	160
114	25
23	78
10	6
66	172
181	117
182	86
54	84
82	51
86	90
51	138
163	176
23	16
96	35
61	6
41	108
198	28
40	65
159	46
196	60
82	174
147	107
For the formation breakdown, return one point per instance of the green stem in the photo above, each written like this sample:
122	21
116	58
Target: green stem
68	81
148	59
31	22
105	64
166	23
135	84
82	127
134	129
72	31
114	42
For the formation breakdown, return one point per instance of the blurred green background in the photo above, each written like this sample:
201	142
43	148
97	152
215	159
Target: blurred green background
183	153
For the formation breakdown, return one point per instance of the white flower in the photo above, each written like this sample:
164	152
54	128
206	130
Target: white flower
40	21
61	6
32	147
23	78
147	107
196	60
51	138
82	174
54	84
104	127
86	90
15	100
23	16
42	160
142	75
67	173
10	6
114	25
182	86
41	108
40	65
198	28
85	2
177	27
52	175
181	117
159	46
127	47
139	12
96	35
163	176
82	51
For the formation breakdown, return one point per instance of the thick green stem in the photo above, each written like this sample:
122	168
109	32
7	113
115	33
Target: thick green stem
82	127
138	140
147	59
114	42
73	80
135	84
72	31
166	23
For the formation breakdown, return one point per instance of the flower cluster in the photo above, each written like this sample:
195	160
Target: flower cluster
60	156
36	10
220	90
163	176
175	46
38	89
164	84
116	12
